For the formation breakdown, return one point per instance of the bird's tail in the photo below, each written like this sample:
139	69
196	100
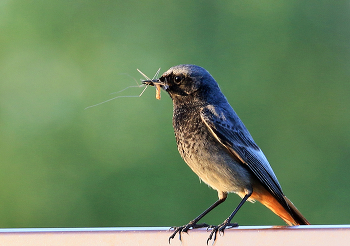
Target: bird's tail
290	214
299	219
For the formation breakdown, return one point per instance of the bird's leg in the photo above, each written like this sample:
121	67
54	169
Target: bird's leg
193	223
227	222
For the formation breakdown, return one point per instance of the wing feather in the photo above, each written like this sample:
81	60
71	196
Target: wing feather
230	131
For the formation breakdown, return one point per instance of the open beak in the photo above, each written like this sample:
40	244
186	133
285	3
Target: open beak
157	83
151	82
154	82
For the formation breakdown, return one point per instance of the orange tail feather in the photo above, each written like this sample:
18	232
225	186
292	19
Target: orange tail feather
290	215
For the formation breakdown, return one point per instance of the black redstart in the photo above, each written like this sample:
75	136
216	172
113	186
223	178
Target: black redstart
217	146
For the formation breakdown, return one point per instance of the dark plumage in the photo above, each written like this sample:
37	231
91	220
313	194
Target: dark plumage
217	146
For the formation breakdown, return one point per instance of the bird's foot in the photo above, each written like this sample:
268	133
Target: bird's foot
185	228
219	228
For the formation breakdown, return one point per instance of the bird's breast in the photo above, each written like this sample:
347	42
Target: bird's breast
208	158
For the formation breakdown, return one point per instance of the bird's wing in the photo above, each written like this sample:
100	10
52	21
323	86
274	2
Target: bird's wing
229	130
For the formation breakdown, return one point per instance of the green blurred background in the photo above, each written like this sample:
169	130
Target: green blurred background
283	65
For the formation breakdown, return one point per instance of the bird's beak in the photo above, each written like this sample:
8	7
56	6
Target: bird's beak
157	83
151	82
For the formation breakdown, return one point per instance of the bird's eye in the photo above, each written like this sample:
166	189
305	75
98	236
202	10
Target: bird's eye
178	79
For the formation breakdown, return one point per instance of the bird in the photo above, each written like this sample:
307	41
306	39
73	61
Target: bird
216	145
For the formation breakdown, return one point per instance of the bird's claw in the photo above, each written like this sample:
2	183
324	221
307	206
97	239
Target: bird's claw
185	228
219	228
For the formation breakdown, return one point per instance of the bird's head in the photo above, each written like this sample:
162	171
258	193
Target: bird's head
190	84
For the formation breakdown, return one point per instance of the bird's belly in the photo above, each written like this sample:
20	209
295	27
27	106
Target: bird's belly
217	168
